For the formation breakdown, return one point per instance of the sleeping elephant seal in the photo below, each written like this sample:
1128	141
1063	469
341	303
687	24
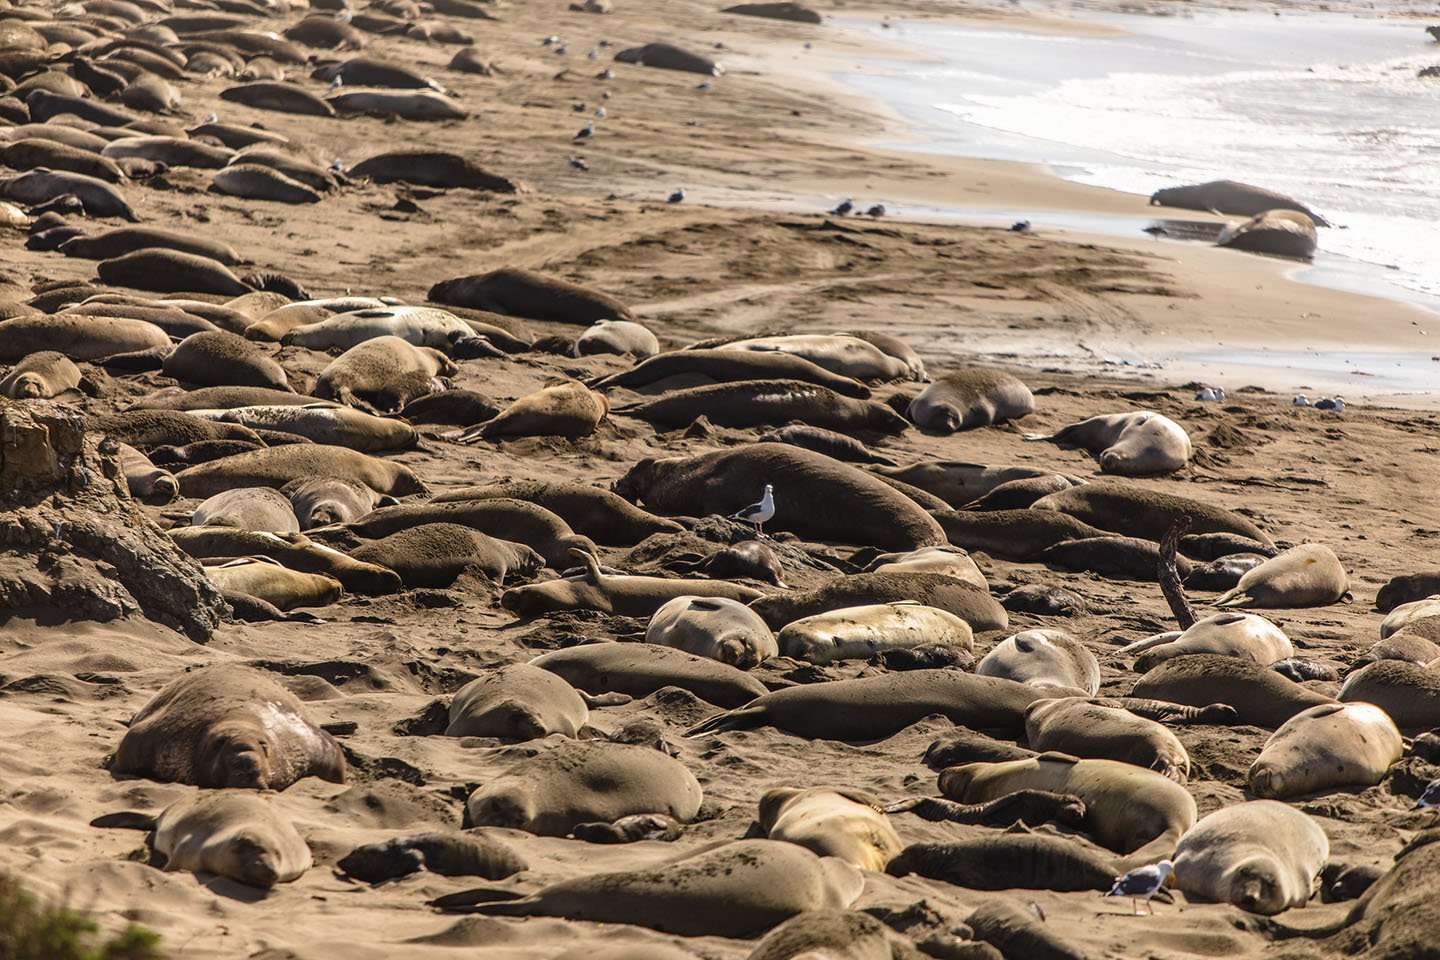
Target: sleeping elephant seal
41	376
1141	512
503	518
318	501
667	56
877	707
1133	444
724	366
1402	589
248	508
171	271
227	726
947	560
840	354
561	408
830	823
1259	695
815	497
1412	616
970	398
714	627
1262	856
1408	693
522	293
592	511
78	337
517	702
1010	861
578	782
835	445
867	631
1020	494
295	551
1017	534
626	596
828	934
1048	659
1083	729
622	337
1128	809
1228	634
1229	197
731	889
322	423
144	480
1281	233
753	403
1325	747
435	554
966	601
277	466
958	482
221	359
275	584
640	669
1117	558
1309	575
233	834
383	374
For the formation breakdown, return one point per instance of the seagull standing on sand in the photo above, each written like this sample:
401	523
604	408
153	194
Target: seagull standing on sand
1142	884
1335	404
1210	394
844	207
676	197
759	513
586	132
1300	401
577	163
1431	796
878	210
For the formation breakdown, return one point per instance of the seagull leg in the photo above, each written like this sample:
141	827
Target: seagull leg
1135	905
1150	905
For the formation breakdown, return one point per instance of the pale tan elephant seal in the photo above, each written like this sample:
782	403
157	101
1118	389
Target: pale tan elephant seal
831	823
865	631
269	581
626	596
235	834
383	374
517	702
561	408
1261	856
42	376
1406	614
951	561
1083	729
1137	443
844	355
623	337
1228	634
277	466
320	501
247	508
1408	693
969	398
1044	658
144	480
1330	746
1309	575
715	627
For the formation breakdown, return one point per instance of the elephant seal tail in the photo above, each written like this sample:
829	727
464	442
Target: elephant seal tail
744	718
491	900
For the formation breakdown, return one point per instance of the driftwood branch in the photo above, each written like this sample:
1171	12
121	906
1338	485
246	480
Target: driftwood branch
1169	577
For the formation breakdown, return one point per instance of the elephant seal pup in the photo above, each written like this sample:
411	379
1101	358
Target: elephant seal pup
1262	856
266	579
831	823
41	376
964	600
383	374
1048	659
621	337
867	631
249	508
752	403
970	398
831	934
1214	546
1139	443
1119	558
577	782
723	366
1228	634
1223	574
435	554
319	501
957	482
947	560
835	445
1230	197
714	627
815	497
1083	729
1402	589
1006	861
1408	693
1309	575
1141	512
737	888
639	669
171	271
1128	809
144	480
1020	494
1045	600
1012	534
522	293
748	559
877	707
517	702
416	105
561	408
77	337
1334	745
432	168
277	466
622	595
449	854
592	511
322	423
1282	233
503	518
227	726
1259	695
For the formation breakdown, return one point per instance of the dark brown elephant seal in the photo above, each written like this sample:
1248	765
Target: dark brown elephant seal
751	403
517	702
593	511
958	482
667	56
1012	534
223	359
969	398
227	726
435	554
1214	546
626	596
29	153
1120	558
1015	931
796	12
432	169
815	496
1229	197
640	669
521	293
1406	588
281	97
1259	695
725	366
505	519
1023	861
277	466
1145	513
117	243
965	600
449	854
171	271
1019	494
296	552
838	446
154	428
41	376
1410	694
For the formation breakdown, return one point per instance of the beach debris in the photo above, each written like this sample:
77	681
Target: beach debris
677	196
759	513
844	207
1142	884
1210	394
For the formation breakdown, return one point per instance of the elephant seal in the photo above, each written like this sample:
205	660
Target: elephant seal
723	366
1259	695
830	823
42	185
249	508
517	702
1084	729
962	599
1013	534
640	669
1229	197
221	359
1406	645
714	627
268	580
667	56
77	337
560	408
234	834
832	934
957	482
449	854
815	497
1261	856
432	168
619	337
1128	809
227	726
841	354
1020	494
1324	747
1398	590
1281	233
522	293
737	888
281	97
118	242
626	596
277	466
1214	546
1046	600
435	554
296	552
1141	512
1409	694
415	105
156	428
751	403
144	480
383	374
318	501
322	423
835	445
1228	634
1014	930
171	271
1048	659
1009	861
581	782
1223	574
452	408
41	376
29	152
1309	575
218	398
970	398
1138	443
505	519
417	326
866	631
748	559
1120	558
171	151
877	707
592	511
795	12
950	561
1412	616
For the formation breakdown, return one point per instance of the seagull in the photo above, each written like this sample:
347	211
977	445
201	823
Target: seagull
594	54
549	41
1142	884
1156	231
676	197
844	207
337	167
577	163
586	132
606	74
1335	404
878	210
704	85
759	513
579	107
1301	401
1431	796
1210	393
337	83
214	117
1020	226
600	113
561	49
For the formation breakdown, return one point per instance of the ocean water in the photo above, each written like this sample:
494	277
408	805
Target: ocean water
1326	108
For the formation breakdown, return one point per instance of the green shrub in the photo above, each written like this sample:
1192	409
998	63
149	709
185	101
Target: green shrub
30	931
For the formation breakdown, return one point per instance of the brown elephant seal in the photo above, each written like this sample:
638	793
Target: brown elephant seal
795	12
249	508
517	702
970	398
618	337
268	580
714	627
1048	659
1019	494
296	552
1223	574
1309	575
1325	747
31	152
1281	233
1408	693
830	823
561	408
815	497
522	293
592	511
737	888
1138	443
277	466
866	631
171	271
1406	645
667	56
1417	616
448	853
1014	930
640	669
41	185
581	782
1259	695
1261	856
841	354
171	151
412	105
1045	600
1141	512
1128	809
752	403
144	480
837	446
227	726
451	408
748	559
947	560
432	168
435	554
319	501
877	707
1230	197
281	97
828	934
322	423
958	482
1009	861
1228	634
218	398
1214	546
156	428
123	240
383	374
1119	558
1012	534
77	337
503	518
622	595
724	366
1398	590
1083	729
41	376
964	600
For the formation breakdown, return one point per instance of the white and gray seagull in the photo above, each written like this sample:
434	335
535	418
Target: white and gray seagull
1142	883
759	513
